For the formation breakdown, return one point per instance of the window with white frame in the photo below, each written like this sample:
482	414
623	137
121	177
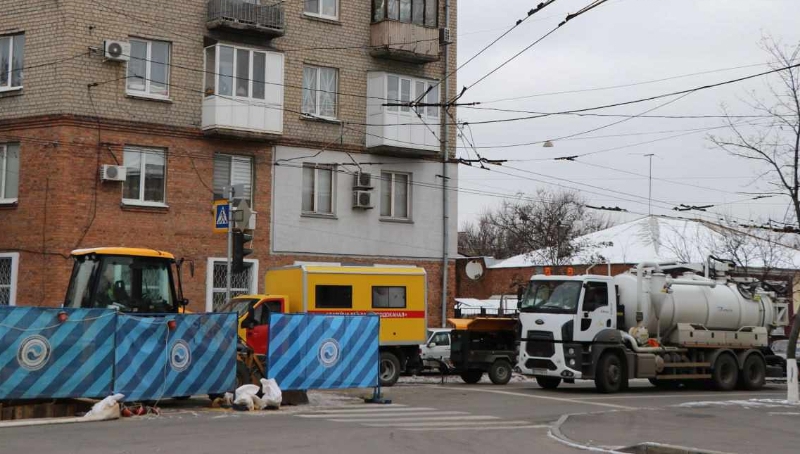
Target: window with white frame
328	9
417	12
396	195
12	59
230	170
319	91
148	68
404	89
9	266
145	179
238	72
9	172
318	189
243	283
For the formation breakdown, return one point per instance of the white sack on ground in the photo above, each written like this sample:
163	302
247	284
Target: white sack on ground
272	395
245	395
106	408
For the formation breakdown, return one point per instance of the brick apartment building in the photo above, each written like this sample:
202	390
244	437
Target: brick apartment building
285	98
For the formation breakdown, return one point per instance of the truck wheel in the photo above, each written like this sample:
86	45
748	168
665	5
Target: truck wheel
472	376
725	373
548	382
754	373
390	369
500	372
610	374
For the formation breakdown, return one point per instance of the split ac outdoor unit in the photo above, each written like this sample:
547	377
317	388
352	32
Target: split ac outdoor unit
363	180
112	173
116	50
444	35
362	199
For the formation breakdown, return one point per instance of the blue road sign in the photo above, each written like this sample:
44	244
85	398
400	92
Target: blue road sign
221	216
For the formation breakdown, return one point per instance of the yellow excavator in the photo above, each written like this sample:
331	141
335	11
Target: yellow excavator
131	280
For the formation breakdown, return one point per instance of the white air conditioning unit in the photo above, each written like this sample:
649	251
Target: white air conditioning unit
112	173
116	50
444	36
362	199
363	180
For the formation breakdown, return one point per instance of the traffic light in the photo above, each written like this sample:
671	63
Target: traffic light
239	251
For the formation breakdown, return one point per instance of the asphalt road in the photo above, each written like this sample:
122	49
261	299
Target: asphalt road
424	418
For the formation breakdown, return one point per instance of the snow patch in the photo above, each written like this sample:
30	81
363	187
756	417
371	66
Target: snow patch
751	403
326	399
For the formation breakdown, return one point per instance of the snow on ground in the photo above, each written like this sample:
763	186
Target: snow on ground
751	403
331	399
434	379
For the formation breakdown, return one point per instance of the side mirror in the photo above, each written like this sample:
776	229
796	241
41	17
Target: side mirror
184	302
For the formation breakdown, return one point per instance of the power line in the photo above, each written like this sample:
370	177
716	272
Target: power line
577	114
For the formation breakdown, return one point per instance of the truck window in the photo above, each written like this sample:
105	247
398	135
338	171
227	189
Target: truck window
441	339
388	297
595	296
334	296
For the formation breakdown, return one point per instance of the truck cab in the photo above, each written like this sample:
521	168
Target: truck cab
560	315
129	280
253	317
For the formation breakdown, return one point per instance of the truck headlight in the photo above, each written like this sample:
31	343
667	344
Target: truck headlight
572	362
571	351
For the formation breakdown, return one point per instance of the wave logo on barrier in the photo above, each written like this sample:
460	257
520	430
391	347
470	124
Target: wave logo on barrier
33	352
328	352
180	356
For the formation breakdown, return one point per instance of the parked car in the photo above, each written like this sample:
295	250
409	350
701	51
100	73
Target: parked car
436	351
779	347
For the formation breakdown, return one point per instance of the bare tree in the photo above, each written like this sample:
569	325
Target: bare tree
777	146
547	227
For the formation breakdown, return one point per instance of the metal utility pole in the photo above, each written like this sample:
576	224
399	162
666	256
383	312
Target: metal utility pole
230	245
650	186
445	202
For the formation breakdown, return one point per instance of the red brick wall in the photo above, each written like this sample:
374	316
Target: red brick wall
497	281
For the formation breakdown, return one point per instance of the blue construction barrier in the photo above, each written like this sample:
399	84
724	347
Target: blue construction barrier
44	355
310	351
155	362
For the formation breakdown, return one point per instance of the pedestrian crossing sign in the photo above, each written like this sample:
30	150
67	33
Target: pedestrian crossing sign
221	216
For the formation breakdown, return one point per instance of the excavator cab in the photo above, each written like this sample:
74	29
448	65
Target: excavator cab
126	279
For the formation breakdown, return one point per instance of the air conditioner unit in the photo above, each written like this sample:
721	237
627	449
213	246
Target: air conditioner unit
363	180
112	173
116	50
362	199
444	36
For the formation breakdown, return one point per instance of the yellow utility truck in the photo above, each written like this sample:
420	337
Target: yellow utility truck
397	294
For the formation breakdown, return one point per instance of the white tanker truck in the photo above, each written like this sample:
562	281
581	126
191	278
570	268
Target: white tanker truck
669	324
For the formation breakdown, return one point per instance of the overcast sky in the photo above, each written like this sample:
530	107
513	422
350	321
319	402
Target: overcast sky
620	42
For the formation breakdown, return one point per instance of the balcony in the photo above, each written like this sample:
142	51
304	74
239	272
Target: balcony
402	131
247	16
402	41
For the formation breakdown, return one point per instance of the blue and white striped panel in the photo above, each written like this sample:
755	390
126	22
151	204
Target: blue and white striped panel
323	351
41	357
140	358
202	355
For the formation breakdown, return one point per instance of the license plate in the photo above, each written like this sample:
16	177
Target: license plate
539	371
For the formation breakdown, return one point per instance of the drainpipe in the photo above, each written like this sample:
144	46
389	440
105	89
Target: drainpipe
445	177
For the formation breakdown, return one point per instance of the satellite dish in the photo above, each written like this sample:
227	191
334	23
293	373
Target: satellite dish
474	270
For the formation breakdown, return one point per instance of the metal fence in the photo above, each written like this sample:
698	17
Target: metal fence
252	14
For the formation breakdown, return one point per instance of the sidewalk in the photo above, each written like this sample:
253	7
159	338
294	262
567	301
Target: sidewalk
745	426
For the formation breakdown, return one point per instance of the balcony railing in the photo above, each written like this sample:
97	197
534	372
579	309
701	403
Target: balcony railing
405	42
247	16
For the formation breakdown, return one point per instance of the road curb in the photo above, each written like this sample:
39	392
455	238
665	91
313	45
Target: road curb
556	434
54	421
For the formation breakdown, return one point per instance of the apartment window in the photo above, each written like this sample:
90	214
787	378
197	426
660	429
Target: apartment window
328	9
9	172
319	91
9	266
12	59
395	195
148	68
333	296
243	283
401	89
230	170
388	297
145	176
417	12
240	72
318	189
